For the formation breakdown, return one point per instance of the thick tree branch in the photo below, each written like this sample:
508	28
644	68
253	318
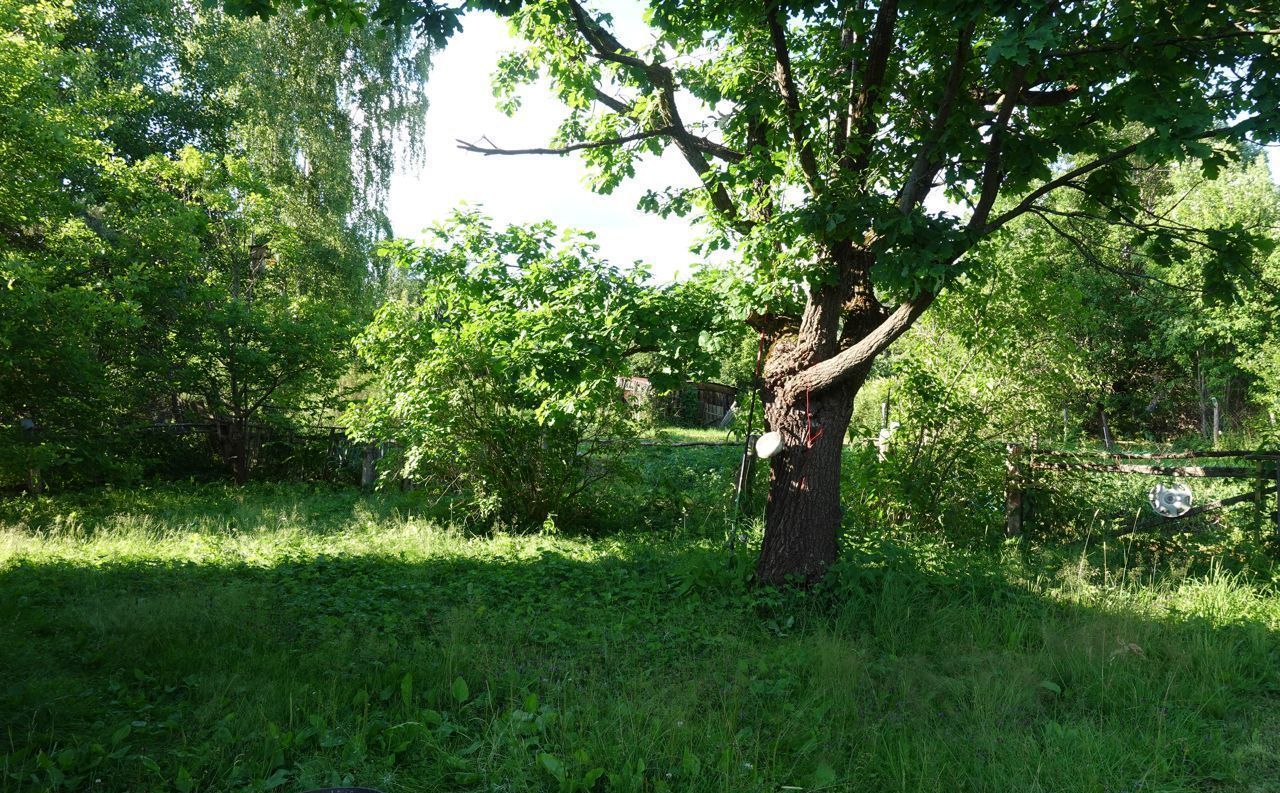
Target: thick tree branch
791	98
717	150
1070	176
839	124
862	115
844	365
607	47
1053	184
993	168
720	198
611	102
926	164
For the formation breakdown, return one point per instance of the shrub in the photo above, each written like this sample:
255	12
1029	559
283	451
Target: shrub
498	370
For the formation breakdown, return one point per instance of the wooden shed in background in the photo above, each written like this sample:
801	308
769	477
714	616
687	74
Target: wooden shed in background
713	399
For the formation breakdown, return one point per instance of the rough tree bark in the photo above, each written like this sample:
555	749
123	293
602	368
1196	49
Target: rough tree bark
802	520
803	514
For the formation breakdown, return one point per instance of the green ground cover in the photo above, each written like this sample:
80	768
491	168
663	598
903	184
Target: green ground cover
202	638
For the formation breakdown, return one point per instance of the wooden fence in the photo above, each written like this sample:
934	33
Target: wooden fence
1021	462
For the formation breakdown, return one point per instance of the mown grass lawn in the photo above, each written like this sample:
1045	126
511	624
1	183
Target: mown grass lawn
210	639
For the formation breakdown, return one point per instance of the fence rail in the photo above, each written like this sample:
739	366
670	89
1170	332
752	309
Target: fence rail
1193	471
1062	454
1020	461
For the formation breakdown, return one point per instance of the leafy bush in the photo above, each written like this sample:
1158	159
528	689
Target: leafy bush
926	487
939	467
498	369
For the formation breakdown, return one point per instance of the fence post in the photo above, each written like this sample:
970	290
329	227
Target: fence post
1259	489
1277	465
1013	490
367	466
1217	419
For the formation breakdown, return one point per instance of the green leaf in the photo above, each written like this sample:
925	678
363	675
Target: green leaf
459	690
552	766
278	778
822	776
406	689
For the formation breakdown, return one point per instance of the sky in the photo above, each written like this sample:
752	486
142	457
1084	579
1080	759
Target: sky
526	188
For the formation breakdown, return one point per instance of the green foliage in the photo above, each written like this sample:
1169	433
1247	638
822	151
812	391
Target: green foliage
498	371
271	286
281	638
215	290
789	174
938	467
309	106
1068	313
817	131
143	279
434	21
1073	312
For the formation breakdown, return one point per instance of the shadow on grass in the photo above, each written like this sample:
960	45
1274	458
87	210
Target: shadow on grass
631	667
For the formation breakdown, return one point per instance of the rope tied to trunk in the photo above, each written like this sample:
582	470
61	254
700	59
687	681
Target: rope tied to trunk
809	437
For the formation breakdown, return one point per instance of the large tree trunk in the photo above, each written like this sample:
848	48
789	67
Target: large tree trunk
802	519
813	370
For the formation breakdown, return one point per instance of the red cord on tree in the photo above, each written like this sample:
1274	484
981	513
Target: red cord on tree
809	437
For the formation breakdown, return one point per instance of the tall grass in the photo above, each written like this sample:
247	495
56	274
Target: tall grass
282	638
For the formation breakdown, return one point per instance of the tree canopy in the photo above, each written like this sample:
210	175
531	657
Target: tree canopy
209	184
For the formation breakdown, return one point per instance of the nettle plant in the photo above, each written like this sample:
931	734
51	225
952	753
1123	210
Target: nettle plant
497	369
